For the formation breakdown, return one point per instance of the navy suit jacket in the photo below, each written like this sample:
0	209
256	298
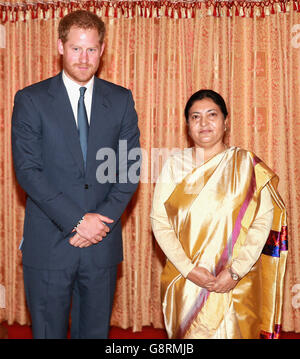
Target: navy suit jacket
49	166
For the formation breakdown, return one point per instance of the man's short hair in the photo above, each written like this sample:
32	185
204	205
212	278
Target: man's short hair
81	19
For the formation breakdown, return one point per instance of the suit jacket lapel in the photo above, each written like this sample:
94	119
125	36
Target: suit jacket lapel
64	115
99	112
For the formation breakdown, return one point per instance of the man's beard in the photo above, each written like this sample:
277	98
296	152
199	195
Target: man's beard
80	76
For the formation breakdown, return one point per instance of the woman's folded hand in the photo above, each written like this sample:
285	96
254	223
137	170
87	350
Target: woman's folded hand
202	277
224	283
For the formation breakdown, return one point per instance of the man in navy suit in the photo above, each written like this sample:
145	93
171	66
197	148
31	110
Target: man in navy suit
61	127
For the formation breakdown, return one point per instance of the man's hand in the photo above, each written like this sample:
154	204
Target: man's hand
92	229
80	242
202	277
224	283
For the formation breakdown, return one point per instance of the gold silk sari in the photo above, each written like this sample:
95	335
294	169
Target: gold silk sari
211	211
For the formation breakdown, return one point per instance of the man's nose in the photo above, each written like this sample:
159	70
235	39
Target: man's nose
84	57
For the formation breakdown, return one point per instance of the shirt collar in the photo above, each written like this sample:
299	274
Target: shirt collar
74	87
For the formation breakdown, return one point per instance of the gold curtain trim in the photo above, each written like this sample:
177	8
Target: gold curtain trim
14	11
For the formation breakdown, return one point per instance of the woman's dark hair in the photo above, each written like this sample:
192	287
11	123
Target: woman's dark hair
200	95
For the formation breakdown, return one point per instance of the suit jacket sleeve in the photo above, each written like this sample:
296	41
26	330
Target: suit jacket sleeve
129	163
27	144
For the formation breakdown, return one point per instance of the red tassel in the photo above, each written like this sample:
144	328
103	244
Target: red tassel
122	10
215	10
16	14
236	11
272	10
244	13
295	5
10	17
45	10
251	12
262	12
179	12
5	18
107	10
166	11
157	11
284	7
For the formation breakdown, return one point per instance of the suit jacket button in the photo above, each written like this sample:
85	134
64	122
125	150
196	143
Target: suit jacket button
86	186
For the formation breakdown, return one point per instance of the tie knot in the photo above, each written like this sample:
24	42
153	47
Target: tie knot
82	91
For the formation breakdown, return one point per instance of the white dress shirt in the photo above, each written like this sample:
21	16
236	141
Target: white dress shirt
73	92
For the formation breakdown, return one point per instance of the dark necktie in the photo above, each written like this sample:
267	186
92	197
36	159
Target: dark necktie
83	125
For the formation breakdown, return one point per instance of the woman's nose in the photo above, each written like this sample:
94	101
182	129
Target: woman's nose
203	120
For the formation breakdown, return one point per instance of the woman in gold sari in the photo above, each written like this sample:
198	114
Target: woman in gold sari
220	221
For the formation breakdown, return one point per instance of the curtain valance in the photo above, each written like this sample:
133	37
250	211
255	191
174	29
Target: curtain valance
21	11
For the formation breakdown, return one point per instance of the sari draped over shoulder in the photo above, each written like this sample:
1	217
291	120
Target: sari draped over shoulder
211	211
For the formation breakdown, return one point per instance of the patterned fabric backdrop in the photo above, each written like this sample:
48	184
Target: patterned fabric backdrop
164	51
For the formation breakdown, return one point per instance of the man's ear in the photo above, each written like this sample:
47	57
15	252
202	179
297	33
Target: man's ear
60	47
102	48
